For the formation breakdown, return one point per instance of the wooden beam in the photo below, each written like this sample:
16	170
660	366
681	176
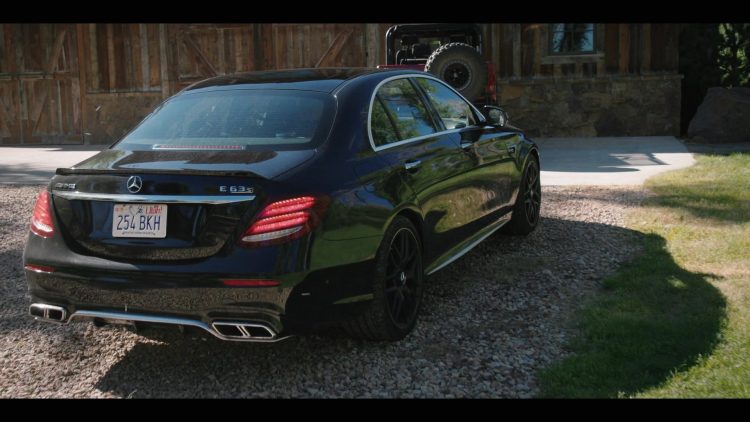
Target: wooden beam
239	52
372	44
6	114
257	46
145	64
56	50
495	32
517	50
190	43
335	49
624	48
135	53
221	45
165	82
573	58
36	112
646	48
10	46
600	34
93	59
111	57
79	104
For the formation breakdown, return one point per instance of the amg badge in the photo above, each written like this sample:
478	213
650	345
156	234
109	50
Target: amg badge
236	189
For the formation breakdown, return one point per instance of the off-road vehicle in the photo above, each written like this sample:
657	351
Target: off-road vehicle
452	52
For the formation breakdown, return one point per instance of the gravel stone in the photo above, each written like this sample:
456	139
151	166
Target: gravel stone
489	322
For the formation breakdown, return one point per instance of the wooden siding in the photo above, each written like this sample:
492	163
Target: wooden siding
46	96
121	57
620	49
39	84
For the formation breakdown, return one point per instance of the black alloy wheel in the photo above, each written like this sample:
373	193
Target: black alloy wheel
533	195
529	201
398	284
403	274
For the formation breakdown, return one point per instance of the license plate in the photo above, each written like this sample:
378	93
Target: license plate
139	220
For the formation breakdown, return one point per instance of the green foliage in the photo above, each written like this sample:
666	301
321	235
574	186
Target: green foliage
711	55
734	54
699	54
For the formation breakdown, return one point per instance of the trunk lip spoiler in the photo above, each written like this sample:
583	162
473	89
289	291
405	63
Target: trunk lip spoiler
82	171
161	199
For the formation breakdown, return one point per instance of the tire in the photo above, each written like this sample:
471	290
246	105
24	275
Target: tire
393	282
462	67
528	203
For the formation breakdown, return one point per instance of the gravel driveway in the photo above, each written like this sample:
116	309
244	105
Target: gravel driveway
489	322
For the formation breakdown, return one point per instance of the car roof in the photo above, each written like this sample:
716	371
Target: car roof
315	79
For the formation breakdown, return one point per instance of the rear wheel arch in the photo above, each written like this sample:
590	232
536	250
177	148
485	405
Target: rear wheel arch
415	218
532	153
411	213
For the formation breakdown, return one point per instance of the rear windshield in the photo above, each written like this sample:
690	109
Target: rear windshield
236	119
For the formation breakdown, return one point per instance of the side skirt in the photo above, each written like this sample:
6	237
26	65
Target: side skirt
462	248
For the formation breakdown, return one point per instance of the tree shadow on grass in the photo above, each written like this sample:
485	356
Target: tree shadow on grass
720	202
655	319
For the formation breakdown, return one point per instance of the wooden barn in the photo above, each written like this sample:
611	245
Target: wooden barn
90	83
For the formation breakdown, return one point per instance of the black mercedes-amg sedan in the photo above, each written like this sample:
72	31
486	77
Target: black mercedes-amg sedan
259	205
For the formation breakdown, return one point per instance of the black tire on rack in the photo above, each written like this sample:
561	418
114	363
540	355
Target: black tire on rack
461	66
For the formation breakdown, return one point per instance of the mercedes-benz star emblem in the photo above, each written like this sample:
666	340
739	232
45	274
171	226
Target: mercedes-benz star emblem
134	184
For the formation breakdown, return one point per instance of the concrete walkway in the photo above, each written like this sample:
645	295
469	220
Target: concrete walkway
609	161
565	161
37	164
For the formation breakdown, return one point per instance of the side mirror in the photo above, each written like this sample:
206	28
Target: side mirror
495	115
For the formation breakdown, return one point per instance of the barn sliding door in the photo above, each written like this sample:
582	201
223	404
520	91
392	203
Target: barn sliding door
39	84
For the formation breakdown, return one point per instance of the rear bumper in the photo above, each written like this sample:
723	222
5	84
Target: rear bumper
302	301
193	291
232	330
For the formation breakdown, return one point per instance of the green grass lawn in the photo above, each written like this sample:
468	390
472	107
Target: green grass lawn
676	321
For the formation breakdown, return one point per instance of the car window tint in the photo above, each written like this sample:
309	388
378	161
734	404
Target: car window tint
453	110
243	118
403	103
382	128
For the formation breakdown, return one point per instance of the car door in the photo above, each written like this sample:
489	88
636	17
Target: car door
406	135
487	185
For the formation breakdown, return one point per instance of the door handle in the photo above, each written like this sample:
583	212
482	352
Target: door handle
466	145
412	165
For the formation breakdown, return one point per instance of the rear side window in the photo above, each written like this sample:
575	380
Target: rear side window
236	119
400	100
453	110
383	131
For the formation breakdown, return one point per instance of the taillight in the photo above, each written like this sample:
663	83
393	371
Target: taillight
41	220
281	221
39	268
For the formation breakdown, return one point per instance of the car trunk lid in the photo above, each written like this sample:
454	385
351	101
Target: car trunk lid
207	200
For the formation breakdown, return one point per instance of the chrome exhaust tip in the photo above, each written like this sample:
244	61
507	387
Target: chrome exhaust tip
244	330
46	312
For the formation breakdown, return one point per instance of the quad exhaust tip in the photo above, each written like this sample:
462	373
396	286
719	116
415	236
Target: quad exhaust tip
244	330
48	312
253	331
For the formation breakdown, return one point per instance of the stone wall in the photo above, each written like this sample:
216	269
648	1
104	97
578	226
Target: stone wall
607	106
